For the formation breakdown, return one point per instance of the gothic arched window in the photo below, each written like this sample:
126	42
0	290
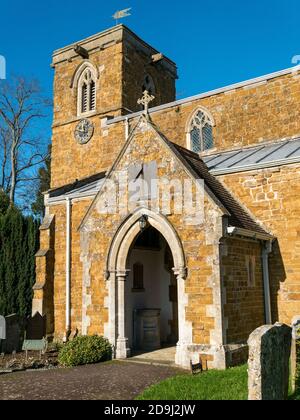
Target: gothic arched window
87	92
201	132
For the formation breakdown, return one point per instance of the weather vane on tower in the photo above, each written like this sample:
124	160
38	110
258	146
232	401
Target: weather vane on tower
120	14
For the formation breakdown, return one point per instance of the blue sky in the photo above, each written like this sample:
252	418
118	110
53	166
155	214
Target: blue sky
214	43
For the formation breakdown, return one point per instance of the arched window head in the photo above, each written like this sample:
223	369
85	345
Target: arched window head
148	84
86	92
201	132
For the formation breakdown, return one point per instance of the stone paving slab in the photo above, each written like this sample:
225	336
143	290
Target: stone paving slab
165	354
108	381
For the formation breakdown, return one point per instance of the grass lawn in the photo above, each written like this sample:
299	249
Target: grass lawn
213	385
296	396
231	384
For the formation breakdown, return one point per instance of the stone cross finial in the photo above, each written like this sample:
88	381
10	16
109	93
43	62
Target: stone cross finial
145	101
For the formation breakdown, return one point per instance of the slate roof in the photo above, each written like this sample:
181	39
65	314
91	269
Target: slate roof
238	216
91	185
266	155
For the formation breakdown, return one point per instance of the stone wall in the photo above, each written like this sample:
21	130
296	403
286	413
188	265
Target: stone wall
43	299
243	292
108	63
78	211
244	116
271	195
71	161
136	66
121	67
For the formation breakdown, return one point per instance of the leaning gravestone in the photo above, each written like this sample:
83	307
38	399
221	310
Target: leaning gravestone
269	355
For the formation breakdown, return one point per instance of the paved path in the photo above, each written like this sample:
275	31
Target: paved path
109	381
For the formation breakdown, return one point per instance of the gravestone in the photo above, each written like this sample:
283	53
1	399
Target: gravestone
295	353
35	345
14	334
35	335
2	331
36	327
2	328
268	366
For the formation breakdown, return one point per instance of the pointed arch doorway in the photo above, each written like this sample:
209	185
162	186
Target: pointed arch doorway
140	257
151	297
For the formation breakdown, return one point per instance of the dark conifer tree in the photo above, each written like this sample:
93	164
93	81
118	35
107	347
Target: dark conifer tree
18	245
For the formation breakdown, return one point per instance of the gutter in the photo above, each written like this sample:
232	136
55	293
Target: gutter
234	231
267	241
61	199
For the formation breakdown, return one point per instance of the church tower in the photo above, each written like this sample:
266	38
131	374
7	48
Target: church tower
95	79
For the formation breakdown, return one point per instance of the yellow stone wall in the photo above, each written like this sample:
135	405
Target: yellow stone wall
246	116
122	68
71	161
60	270
243	117
79	209
200	245
43	299
135	67
272	196
243	300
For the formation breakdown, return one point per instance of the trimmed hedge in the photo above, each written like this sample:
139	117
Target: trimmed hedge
85	350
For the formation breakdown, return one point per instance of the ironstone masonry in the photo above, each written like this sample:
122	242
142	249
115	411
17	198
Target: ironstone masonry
236	269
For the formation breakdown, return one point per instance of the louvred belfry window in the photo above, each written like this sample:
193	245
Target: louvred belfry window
201	132
93	96
84	98
87	92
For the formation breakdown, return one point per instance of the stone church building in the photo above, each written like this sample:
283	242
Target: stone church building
168	222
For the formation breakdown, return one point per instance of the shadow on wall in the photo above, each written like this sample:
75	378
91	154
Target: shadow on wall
277	277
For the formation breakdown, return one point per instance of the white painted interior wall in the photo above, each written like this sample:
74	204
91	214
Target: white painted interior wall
156	295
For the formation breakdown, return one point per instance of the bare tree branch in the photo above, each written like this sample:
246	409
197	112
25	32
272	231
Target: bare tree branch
21	106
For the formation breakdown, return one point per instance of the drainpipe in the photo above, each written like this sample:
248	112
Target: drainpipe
68	267
267	241
126	129
267	249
